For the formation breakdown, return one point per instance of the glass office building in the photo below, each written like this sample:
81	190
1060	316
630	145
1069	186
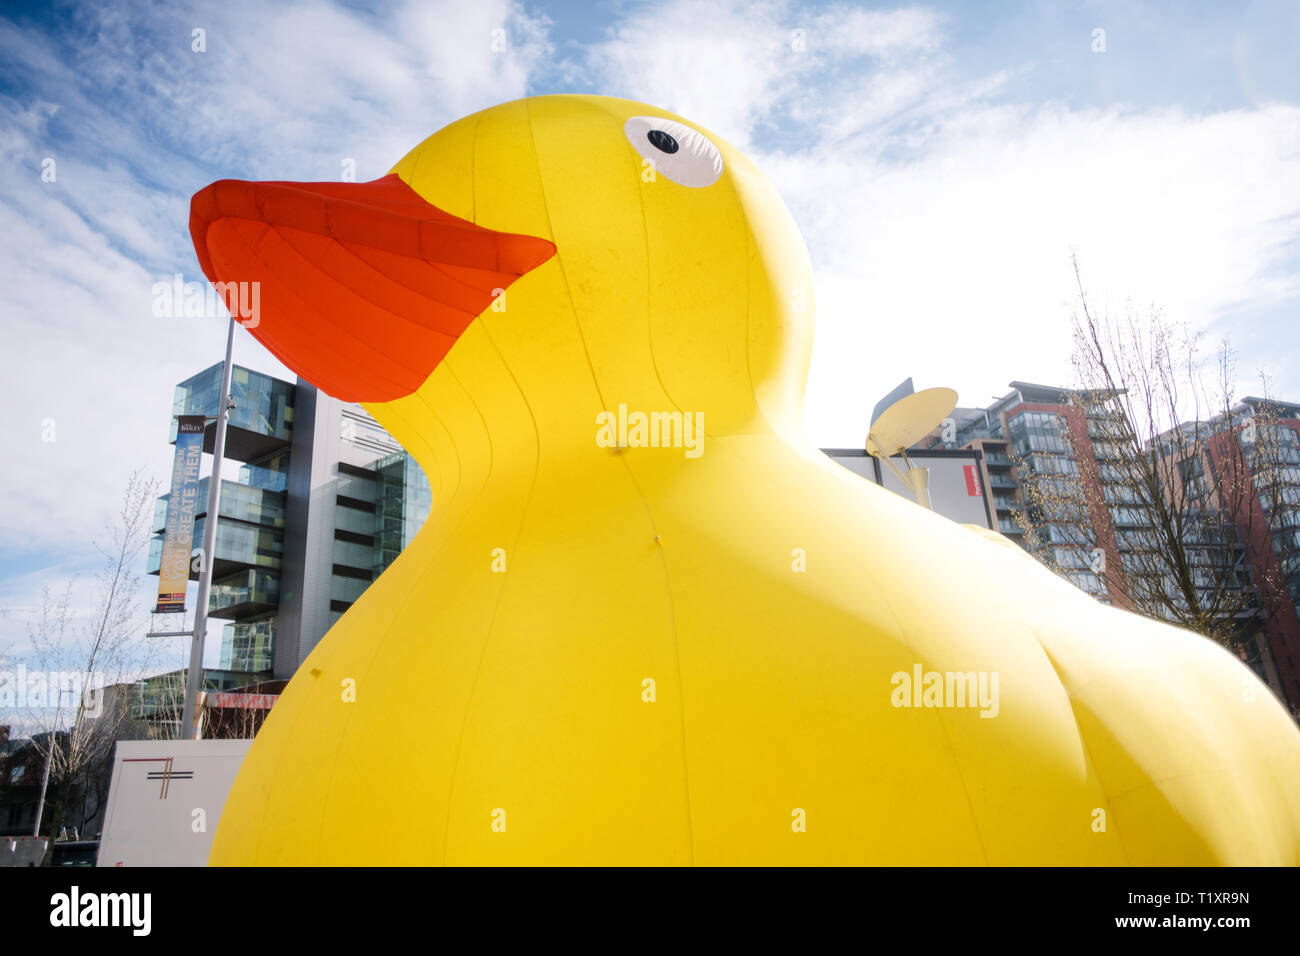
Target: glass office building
402	499
324	502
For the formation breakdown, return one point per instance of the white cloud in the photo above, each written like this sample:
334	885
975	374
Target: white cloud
137	122
711	62
732	66
889	35
941	219
954	267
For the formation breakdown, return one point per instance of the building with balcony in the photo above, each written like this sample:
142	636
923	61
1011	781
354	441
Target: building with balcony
1053	467
1245	468
325	500
1023	441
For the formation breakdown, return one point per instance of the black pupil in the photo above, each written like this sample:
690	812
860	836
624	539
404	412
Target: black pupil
662	141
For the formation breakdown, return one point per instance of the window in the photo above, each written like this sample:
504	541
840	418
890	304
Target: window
1072	558
1087	581
1057	464
1121	494
1130	517
1108	450
1071	535
1037	431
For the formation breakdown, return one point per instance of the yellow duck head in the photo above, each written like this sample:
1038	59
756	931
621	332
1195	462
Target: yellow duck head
612	252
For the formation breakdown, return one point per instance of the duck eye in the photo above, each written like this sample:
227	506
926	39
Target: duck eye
679	153
662	141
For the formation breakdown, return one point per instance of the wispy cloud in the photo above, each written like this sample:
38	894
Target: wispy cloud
941	213
954	264
744	68
135	120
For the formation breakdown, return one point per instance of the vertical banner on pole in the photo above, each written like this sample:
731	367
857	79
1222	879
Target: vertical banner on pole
178	539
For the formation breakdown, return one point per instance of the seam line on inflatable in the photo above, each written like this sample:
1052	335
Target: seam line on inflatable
522	521
363	672
568	293
359	343
943	728
649	315
1112	816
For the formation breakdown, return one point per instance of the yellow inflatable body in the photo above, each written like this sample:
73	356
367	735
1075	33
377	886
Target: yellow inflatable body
720	647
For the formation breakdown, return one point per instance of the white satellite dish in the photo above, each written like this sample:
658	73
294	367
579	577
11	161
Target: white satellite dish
900	420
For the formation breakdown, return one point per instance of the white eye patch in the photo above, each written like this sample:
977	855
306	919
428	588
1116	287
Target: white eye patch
683	155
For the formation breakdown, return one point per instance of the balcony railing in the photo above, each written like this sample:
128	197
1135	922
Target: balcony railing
244	593
238	546
241	502
249	646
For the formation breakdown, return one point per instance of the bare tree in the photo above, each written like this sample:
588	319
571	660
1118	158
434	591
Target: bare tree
1154	490
79	723
163	703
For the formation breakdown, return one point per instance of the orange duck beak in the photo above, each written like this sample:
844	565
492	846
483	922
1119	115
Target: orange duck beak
363	287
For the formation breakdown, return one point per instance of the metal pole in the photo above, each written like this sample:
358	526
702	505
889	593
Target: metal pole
49	758
45	782
194	677
918	479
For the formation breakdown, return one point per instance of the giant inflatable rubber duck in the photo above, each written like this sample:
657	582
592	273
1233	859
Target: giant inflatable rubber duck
647	623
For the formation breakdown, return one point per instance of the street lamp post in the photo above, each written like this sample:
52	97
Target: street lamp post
194	677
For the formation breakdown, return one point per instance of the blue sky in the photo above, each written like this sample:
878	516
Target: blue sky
941	160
